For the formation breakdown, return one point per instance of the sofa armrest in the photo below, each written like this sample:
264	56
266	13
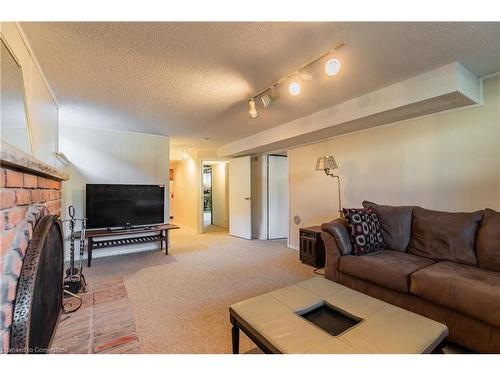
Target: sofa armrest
338	229
337	243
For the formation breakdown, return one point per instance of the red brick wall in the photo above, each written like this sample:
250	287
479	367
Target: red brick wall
24	199
19	190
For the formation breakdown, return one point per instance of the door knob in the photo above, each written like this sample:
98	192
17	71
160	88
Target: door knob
247	198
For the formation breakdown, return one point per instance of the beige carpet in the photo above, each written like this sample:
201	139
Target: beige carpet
180	302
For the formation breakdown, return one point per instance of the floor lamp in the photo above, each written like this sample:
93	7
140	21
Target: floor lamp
328	164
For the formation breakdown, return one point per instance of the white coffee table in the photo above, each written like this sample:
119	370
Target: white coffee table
275	322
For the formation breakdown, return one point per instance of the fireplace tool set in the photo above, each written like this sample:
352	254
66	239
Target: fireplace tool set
74	281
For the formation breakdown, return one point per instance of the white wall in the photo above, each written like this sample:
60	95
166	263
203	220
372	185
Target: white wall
107	156
447	161
41	105
220	197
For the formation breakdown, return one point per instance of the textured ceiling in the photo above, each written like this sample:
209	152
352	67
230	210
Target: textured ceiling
192	80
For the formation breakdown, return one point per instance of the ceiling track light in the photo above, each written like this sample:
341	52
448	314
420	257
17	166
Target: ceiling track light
185	153
332	68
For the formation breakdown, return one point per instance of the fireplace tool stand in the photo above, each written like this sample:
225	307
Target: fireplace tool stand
74	281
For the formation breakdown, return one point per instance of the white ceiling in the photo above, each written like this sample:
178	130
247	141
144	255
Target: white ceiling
191	81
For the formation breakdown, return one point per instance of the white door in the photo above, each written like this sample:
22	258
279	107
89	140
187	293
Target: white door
277	196
240	207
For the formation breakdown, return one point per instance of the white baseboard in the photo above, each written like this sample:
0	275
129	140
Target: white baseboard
182	226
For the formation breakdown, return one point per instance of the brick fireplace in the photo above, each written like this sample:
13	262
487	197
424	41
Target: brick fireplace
19	191
28	192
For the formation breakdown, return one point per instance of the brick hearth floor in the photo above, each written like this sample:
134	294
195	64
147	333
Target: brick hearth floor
103	324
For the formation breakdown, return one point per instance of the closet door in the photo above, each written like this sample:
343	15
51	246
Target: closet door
240	207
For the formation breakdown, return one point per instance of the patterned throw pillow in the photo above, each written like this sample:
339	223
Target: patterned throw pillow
364	230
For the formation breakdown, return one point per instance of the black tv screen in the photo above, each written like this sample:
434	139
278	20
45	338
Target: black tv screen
118	205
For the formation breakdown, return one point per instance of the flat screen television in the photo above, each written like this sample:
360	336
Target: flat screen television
117	205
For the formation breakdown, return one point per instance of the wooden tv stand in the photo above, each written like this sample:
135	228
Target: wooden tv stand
161	236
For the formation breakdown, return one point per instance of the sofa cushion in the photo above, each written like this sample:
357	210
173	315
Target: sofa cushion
468	290
395	224
488	241
444	235
364	230
391	269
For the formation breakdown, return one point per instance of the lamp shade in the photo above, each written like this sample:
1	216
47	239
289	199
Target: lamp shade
326	163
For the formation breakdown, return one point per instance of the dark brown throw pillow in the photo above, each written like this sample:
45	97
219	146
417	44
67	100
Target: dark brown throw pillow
395	224
445	235
488	241
364	230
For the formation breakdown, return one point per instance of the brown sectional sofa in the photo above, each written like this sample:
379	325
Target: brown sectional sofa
445	266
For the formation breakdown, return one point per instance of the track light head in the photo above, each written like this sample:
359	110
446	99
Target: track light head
294	88
252	109
332	67
266	100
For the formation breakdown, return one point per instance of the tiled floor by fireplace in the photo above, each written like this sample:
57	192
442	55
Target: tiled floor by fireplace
103	324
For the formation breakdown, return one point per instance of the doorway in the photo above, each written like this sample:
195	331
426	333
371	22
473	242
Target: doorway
214	196
207	196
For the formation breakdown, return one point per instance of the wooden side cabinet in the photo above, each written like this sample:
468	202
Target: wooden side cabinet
312	249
